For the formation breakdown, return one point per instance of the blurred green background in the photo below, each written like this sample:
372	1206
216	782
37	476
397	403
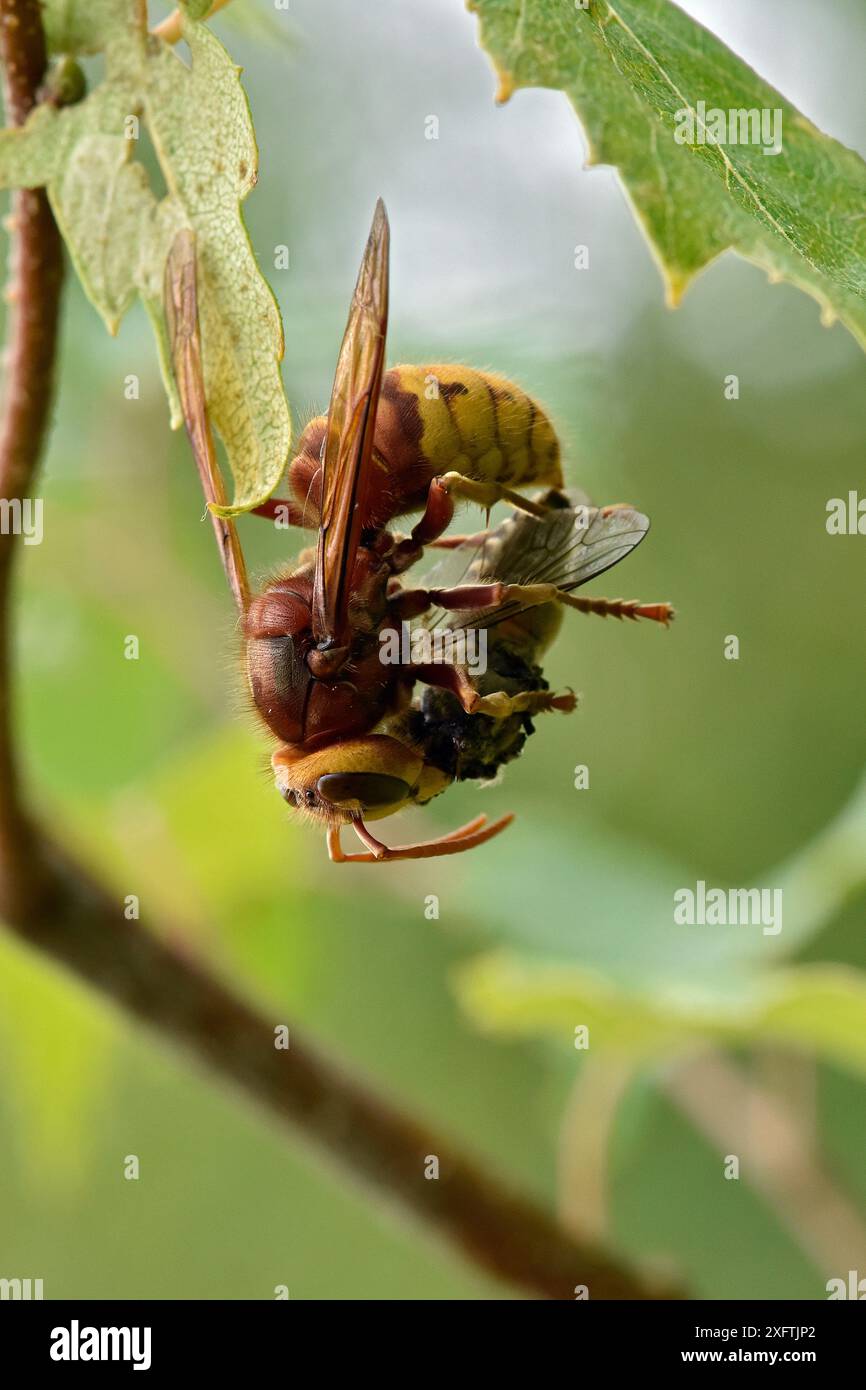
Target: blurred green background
729	771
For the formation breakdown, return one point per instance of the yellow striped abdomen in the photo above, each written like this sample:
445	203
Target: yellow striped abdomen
440	419
443	418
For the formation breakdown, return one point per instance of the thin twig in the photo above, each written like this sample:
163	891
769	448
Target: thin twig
54	905
746	1119
33	296
170	29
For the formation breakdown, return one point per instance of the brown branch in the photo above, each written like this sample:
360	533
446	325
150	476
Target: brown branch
54	905
33	296
363	1134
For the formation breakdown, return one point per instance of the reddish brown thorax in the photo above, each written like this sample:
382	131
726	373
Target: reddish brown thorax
309	693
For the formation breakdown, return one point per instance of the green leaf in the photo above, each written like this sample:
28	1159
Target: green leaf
629	67
613	912
84	26
118	232
820	1008
607	952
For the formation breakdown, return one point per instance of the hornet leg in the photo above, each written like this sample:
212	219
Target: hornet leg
530	595
439	513
499	705
476	832
487	494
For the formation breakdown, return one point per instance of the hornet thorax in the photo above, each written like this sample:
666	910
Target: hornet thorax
309	692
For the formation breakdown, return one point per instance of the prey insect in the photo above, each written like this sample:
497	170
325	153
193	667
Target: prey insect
360	737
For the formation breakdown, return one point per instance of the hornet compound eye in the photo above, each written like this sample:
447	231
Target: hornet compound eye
367	789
